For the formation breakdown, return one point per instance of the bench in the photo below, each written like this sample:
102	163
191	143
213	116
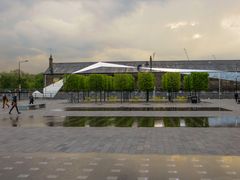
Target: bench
31	106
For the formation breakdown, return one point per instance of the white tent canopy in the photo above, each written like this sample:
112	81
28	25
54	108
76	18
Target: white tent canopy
102	64
51	90
37	94
178	70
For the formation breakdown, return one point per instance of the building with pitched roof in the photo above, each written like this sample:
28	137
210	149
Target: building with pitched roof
229	69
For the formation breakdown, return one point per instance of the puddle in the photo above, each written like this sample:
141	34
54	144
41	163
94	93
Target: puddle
74	121
145	109
131	122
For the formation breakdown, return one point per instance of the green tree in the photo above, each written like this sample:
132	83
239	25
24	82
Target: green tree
74	83
107	85
187	83
87	85
130	85
146	82
39	81
96	83
199	82
123	83
171	82
70	83
8	81
81	85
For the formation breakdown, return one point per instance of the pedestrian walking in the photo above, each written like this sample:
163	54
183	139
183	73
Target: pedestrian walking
236	96
5	101
31	99
14	104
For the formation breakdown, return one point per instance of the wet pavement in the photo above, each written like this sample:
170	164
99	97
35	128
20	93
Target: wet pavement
207	108
165	141
30	148
95	166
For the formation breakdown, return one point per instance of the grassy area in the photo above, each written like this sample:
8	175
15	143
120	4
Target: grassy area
99	121
72	121
146	122
171	121
123	121
197	122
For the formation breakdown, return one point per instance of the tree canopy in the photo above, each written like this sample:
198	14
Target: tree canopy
9	81
96	82
146	82
199	81
187	83
123	82
171	82
74	83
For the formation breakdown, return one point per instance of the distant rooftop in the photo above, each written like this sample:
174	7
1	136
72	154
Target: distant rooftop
222	65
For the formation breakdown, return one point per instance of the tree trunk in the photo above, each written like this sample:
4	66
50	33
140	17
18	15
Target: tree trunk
121	96
71	97
83	95
199	97
96	96
104	96
147	96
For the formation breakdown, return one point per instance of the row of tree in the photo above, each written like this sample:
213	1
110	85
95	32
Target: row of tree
9	81
194	82
126	83
100	84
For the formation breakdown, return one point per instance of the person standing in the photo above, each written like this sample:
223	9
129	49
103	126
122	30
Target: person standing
31	99
5	101
236	96
14	104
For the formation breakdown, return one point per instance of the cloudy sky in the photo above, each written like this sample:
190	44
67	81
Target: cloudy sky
93	30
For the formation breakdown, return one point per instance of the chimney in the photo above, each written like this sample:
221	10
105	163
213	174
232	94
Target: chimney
150	63
51	64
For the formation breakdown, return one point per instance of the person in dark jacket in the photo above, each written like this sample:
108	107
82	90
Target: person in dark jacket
31	99
14	104
236	96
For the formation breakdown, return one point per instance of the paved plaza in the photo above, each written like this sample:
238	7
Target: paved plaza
117	167
112	153
171	141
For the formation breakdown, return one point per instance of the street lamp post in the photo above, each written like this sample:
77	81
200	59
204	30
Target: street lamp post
236	88
219	90
19	77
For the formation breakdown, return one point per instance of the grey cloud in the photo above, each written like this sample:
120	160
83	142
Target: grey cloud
112	29
114	8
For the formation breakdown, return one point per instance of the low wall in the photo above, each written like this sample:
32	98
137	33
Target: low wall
141	95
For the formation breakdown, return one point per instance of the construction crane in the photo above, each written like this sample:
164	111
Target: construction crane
186	53
214	57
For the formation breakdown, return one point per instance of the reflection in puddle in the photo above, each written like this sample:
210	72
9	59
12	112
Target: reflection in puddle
15	121
151	121
132	122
